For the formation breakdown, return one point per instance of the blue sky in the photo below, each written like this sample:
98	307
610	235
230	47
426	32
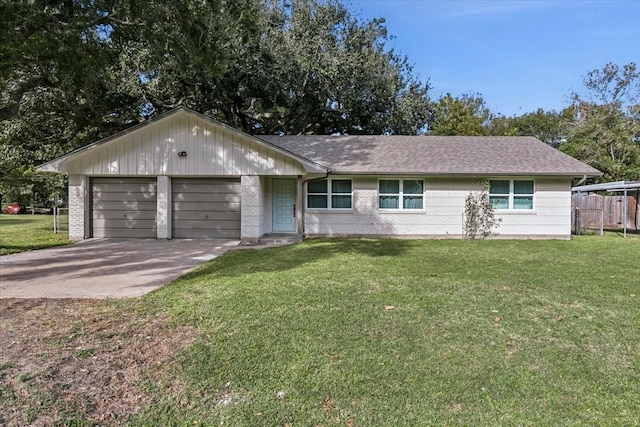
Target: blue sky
520	55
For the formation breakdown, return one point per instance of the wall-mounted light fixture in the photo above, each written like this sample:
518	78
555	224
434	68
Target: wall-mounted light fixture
182	154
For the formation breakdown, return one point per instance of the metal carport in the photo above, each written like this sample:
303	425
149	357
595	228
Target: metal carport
612	187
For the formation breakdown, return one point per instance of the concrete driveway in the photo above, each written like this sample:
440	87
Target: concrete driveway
104	268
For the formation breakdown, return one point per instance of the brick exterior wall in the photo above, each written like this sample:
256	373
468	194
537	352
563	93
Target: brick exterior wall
443	212
251	208
77	206
265	205
163	215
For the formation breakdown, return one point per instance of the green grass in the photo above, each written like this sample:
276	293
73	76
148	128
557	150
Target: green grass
19	233
404	333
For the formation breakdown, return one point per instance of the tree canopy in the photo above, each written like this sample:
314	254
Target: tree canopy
464	115
605	129
75	71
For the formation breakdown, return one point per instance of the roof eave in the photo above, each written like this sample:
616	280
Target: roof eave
52	167
467	174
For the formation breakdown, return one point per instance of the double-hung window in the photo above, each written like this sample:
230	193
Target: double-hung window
401	194
330	194
511	194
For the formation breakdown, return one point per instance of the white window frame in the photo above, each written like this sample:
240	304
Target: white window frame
329	195
512	196
400	195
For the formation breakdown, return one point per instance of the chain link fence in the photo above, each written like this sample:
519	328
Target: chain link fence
60	220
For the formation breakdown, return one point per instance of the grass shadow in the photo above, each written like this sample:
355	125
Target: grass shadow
6	219
14	249
282	258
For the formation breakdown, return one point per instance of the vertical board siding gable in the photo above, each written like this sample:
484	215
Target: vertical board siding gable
212	150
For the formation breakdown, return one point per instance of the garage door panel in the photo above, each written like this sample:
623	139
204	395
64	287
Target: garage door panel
206	208
123	180
123	207
125	224
123	185
196	183
150	206
214	216
108	215
229	188
205	224
132	197
122	233
210	197
206	234
119	187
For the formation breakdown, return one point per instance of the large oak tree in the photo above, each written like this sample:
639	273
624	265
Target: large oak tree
74	71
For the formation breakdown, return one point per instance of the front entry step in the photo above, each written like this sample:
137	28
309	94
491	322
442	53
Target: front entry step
280	238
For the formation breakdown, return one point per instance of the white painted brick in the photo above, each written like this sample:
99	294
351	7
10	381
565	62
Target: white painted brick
77	200
163	200
443	214
250	218
265	206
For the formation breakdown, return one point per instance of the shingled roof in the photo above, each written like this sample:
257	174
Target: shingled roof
434	155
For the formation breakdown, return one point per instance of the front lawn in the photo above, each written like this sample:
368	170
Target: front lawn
345	332
398	332
19	233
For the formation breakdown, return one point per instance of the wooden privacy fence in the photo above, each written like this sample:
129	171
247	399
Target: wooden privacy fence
594	211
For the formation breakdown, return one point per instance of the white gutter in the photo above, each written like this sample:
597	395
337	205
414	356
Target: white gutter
613	187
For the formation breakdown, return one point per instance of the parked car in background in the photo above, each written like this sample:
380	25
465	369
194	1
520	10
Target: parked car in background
15	208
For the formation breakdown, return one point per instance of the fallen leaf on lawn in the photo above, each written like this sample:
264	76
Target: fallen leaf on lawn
331	355
389	307
326	403
497	319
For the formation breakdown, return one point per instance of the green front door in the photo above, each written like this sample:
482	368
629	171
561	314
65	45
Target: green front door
283	206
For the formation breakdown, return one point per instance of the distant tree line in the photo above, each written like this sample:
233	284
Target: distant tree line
75	71
601	126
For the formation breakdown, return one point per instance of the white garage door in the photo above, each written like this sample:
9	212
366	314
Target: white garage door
123	207
205	208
